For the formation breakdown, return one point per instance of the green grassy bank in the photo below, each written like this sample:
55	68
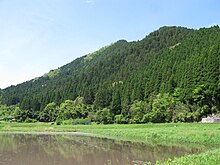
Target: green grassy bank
206	136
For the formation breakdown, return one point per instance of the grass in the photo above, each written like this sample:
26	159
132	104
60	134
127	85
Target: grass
206	158
6	127
159	133
206	136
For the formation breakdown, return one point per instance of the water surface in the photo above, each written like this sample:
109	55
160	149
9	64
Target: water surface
33	149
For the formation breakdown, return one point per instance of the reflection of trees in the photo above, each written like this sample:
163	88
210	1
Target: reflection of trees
11	142
64	145
85	150
77	147
153	152
81	146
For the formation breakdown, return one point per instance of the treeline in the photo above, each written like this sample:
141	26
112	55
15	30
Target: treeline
173	74
159	108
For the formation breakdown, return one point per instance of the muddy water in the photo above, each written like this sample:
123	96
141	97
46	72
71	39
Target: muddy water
26	149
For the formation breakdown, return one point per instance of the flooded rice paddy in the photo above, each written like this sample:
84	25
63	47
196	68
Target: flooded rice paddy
43	149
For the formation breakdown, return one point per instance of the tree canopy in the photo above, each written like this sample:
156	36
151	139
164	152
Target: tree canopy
173	74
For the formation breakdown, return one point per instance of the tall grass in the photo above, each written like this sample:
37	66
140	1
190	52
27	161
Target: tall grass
211	157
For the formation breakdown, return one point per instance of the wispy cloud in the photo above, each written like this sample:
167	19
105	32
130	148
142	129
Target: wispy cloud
92	2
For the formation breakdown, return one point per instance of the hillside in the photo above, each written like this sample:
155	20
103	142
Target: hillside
173	74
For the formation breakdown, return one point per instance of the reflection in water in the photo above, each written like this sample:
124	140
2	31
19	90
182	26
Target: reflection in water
20	149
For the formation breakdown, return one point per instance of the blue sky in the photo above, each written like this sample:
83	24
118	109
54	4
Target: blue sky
40	35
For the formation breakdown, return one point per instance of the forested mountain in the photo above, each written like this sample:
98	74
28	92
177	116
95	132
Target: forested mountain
173	74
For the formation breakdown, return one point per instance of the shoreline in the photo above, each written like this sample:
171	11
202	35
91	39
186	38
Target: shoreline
48	133
178	134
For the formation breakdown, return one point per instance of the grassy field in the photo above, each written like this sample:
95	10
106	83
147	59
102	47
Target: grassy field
206	136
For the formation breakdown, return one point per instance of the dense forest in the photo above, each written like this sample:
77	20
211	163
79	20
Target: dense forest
172	75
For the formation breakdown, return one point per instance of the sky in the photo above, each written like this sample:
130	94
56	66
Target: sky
37	36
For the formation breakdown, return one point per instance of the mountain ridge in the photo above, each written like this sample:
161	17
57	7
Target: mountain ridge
165	61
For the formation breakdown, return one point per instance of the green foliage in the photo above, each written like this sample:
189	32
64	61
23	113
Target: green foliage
13	112
171	75
138	110
0	95
49	113
102	98
119	119
69	110
85	121
116	103
96	53
104	116
205	137
209	157
52	73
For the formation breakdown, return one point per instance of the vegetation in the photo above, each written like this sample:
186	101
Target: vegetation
167	133
204	136
171	75
210	157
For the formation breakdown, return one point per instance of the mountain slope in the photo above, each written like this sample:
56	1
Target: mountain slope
173	60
